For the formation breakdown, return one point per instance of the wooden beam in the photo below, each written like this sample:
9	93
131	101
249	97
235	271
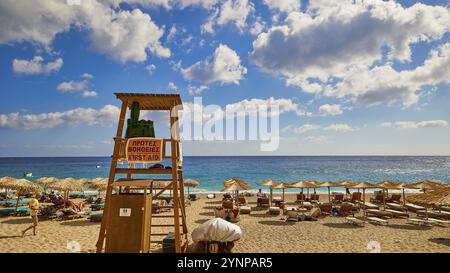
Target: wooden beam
176	204
112	175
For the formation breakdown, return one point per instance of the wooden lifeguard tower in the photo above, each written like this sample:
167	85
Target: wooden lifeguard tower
174	175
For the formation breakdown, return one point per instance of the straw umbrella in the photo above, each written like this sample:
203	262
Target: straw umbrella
425	185
190	183
239	181
364	186
281	186
304	184
22	185
346	184
99	184
4	181
269	183
44	181
440	196
66	185
236	187
329	184
386	185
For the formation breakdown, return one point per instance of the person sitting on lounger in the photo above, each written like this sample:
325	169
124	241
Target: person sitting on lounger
34	210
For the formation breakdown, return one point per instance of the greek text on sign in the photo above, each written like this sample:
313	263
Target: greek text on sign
144	149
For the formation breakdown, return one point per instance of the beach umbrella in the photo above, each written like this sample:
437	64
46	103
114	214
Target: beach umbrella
438	196
190	183
241	183
66	185
236	187
22	186
98	179
269	183
304	184
44	181
364	186
4	181
346	184
328	185
425	185
282	186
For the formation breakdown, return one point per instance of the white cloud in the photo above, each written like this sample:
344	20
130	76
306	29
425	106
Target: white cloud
123	35
72	86
330	110
230	11
335	40
87	76
150	68
283	5
224	67
196	90
339	127
415	124
258	26
172	33
36	66
172	87
105	116
306	128
89	93
318	139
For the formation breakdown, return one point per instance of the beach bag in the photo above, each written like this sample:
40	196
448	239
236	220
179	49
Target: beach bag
217	230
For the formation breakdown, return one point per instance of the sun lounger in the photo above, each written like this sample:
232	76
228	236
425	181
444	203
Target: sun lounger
444	208
439	222
337	198
346	210
379	213
376	220
398	214
379	198
70	214
355	221
210	196
325	209
369	205
355	197
397	207
274	210
13	203
307	205
314	198
10	211
300	198
241	200
227	204
245	209
395	198
263	202
433	214
98	206
414	207
420	222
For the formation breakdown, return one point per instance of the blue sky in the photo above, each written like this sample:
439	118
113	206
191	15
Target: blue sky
355	78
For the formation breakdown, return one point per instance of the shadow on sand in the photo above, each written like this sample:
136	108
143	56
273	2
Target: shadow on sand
277	223
79	223
341	225
440	241
17	221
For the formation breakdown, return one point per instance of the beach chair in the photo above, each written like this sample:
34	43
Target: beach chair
346	210
439	222
420	222
414	207
355	197
263	202
379	199
274	210
314	198
432	214
70	214
444	208
219	212
379	213
355	221
226	196
300	198
98	206
292	215
193	197
245	209
338	198
369	205
241	200
397	207
378	221
395	198
211	196
325	209
398	214
12	211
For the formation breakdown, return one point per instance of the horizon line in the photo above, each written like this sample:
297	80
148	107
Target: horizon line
339	155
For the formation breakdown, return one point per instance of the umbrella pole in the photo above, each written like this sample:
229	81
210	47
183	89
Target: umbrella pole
17	203
364	203
270	197
404	200
283	194
329	195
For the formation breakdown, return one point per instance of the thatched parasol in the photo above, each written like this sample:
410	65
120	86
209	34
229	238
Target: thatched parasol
190	183
282	186
425	185
22	186
439	196
364	186
236	187
269	183
44	181
4	182
239	181
66	185
328	184
308	184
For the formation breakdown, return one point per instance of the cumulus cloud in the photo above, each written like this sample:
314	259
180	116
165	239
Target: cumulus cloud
306	128
224	67
335	40
330	110
283	5
196	90
105	116
230	11
415	124
172	87
80	86
318	139
36	66
339	127
150	68
121	34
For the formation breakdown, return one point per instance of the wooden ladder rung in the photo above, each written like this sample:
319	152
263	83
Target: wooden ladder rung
168	225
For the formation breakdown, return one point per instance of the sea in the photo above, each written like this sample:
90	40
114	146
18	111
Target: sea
212	171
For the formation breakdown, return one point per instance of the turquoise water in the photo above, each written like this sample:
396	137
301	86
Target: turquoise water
212	171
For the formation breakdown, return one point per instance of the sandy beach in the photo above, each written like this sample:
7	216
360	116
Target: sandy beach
261	233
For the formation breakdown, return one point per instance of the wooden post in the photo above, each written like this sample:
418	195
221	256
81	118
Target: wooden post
176	205
112	175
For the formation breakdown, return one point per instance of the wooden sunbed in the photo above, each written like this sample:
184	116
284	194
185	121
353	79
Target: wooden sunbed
433	214
376	220
369	205
420	222
414	207
398	214
379	213
440	222
397	207
355	221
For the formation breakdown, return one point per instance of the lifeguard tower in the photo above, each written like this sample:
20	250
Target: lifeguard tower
126	212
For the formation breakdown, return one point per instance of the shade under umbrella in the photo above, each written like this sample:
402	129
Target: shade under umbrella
191	183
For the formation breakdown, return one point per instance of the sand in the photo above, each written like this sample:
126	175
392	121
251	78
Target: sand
261	233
